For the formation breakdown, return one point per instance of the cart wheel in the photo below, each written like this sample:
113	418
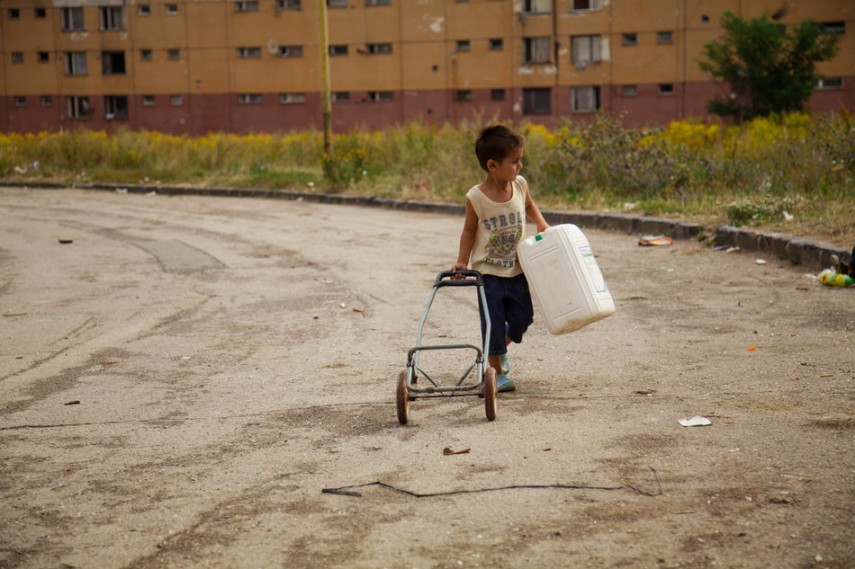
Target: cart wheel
403	399
491	391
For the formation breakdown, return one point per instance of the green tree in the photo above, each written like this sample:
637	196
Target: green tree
768	69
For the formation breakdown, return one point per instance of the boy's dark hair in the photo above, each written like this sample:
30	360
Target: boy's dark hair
495	143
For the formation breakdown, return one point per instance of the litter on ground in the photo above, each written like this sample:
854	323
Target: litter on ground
655	241
696	421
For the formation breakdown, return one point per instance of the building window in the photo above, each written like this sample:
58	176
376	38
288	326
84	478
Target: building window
833	27
497	94
587	5
586	49
173	54
78	107
116	107
46	100
176	100
113	62
340	96
289	4
14	14
375	48
629	39
75	63
829	83
381	96
291	51
148	100
496	44
340	49
629	90
246	6
43	56
20	101
378	2
536	50
250	98
664	38
537	101
41	13
17	57
666	89
464	95
537	6
72	19
292	98
248	52
462	45
336	3
111	18
146	55
585	99
144	10
171	9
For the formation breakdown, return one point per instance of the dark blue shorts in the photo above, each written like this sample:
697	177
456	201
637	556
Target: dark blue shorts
511	312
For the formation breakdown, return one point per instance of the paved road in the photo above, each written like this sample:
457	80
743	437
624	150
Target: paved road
181	378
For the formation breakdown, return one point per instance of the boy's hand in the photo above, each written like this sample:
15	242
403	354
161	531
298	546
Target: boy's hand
459	267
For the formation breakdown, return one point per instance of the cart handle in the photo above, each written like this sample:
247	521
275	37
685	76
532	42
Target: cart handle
452	278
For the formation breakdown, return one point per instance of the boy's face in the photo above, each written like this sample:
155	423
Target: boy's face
510	166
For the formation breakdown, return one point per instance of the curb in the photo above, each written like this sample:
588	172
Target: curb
798	251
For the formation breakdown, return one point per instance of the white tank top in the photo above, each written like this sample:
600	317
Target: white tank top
501	226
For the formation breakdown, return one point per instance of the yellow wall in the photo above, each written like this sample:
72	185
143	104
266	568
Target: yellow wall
424	34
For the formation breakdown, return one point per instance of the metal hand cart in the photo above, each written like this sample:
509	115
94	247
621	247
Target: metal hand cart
482	384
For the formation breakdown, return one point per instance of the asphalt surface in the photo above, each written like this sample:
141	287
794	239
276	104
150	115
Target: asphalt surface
203	381
809	253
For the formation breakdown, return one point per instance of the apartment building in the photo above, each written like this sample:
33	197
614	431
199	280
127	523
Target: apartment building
194	66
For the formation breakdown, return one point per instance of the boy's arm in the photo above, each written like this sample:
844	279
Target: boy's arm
532	212
467	238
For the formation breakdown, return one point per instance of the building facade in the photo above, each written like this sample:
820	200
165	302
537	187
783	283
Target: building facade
196	66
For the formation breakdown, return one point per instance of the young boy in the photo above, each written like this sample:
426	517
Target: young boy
496	212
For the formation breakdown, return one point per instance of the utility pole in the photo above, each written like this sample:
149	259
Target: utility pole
325	76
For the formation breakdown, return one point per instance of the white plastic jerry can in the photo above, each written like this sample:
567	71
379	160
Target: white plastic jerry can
565	281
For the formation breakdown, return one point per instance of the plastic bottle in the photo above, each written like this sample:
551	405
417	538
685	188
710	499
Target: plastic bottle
830	277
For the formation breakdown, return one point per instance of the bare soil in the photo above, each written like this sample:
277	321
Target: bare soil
183	380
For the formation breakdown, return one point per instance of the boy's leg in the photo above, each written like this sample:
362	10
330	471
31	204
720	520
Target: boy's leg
518	309
496	363
495	293
519	313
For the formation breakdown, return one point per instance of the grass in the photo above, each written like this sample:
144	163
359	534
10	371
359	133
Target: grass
794	174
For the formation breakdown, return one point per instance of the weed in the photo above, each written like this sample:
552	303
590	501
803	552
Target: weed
788	172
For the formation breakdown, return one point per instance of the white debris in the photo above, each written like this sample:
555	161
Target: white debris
696	421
